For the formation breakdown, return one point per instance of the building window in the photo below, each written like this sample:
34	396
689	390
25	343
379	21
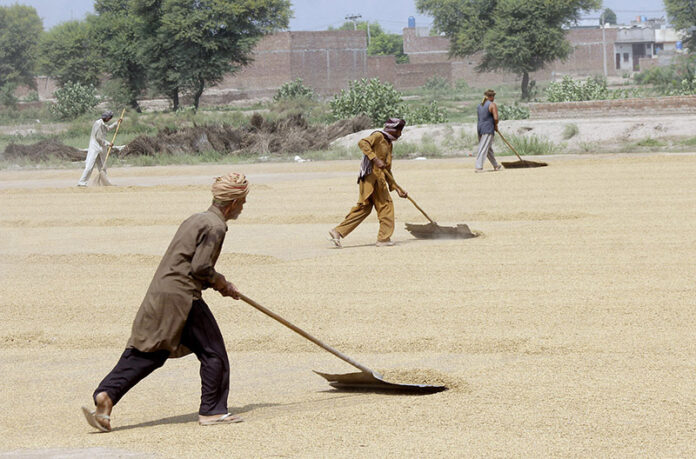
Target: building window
625	57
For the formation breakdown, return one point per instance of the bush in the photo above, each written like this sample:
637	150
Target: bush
425	114
370	97
74	99
7	95
513	112
33	96
570	130
116	93
437	85
677	79
569	90
294	90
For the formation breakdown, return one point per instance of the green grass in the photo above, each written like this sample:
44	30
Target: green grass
650	142
690	142
529	145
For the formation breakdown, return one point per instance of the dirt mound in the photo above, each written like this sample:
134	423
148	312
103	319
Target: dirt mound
41	151
288	135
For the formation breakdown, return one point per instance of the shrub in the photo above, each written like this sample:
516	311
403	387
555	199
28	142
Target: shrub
424	114
371	97
513	112
74	99
570	131
7	95
532	145
569	90
461	85
676	79
294	90
116	93
437	84
33	96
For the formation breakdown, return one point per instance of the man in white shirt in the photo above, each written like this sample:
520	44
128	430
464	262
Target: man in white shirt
98	146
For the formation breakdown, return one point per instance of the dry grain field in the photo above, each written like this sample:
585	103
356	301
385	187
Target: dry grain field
566	329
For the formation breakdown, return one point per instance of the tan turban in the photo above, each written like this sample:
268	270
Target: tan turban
229	187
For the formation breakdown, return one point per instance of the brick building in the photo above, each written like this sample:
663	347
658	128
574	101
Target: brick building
328	60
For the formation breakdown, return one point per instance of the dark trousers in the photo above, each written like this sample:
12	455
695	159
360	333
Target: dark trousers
202	336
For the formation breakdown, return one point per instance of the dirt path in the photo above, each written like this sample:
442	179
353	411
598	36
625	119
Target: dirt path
567	329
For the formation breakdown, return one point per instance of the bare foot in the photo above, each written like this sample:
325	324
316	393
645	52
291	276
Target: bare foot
103	411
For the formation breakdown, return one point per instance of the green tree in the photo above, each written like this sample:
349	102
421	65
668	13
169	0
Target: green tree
518	36
20	29
189	45
682	14
115	31
607	17
70	53
380	43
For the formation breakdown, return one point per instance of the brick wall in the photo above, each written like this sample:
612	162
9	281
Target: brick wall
410	76
586	58
382	67
326	61
618	107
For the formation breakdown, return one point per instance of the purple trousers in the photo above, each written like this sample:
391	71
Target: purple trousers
202	336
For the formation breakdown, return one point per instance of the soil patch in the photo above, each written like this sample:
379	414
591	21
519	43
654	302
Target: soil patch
288	135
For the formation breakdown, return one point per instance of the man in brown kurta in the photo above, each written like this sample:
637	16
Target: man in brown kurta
375	185
173	320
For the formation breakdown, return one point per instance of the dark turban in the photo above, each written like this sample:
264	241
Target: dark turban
394	124
107	114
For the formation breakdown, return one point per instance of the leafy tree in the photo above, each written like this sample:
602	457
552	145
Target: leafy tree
115	30
682	14
70	53
519	36
607	17
388	44
20	29
381	43
189	45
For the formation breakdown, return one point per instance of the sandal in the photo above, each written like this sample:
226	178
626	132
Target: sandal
336	240
224	419
92	419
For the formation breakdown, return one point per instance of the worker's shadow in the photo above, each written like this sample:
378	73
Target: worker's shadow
191	417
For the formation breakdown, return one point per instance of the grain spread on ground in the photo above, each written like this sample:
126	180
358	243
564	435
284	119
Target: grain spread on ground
567	329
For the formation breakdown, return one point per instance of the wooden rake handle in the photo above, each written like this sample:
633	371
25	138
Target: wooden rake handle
114	138
304	334
386	172
510	146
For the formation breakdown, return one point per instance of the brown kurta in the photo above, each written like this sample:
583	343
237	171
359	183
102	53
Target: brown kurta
188	266
374	190
375	146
